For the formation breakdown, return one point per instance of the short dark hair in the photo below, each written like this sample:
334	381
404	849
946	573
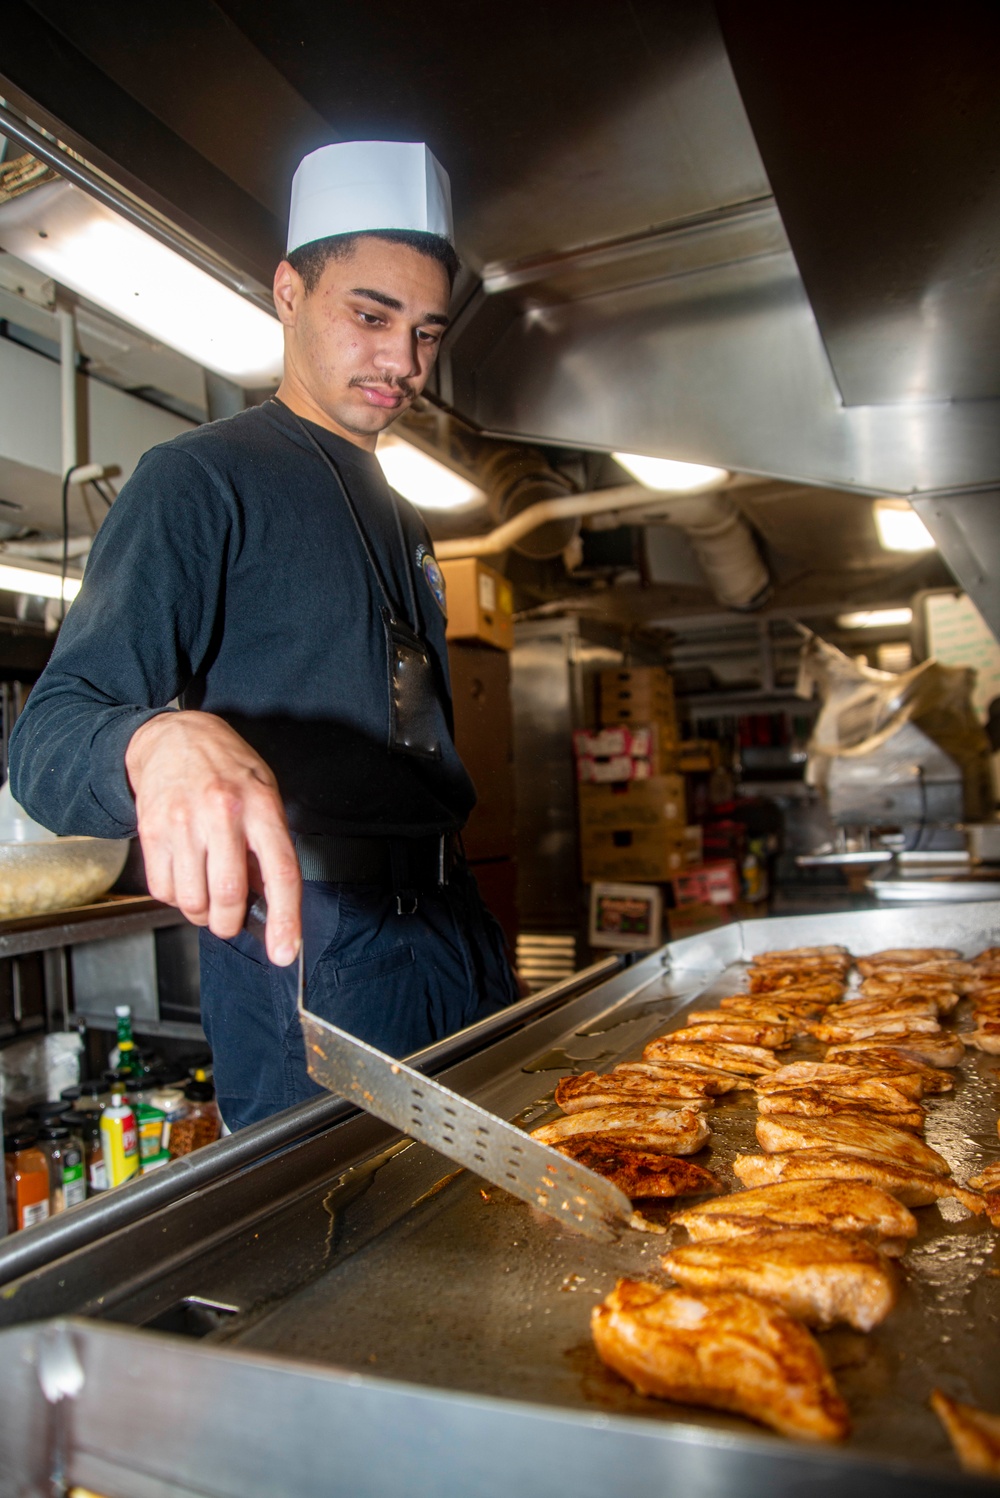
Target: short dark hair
310	260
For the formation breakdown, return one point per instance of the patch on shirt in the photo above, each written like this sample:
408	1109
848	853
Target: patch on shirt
434	577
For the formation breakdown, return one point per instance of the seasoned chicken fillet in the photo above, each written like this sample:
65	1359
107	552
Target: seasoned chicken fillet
589	1090
766	1015
832	953
846	1027
771	1008
883	1060
737	1032
974	1433
829	1102
836	1207
773	979
935	1050
897	956
822	1278
714	1083
914	1188
943	997
741	1060
849	1136
988	1182
895	1005
663	1131
639	1173
842	1079
986	1037
729	1352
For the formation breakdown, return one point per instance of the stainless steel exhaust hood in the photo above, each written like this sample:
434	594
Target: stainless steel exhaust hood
769	246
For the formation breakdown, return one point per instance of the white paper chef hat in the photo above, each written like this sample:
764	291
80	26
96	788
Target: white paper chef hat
363	185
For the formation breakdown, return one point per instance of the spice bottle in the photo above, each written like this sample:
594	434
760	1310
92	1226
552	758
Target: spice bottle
125	1059
93	1152
173	1105
67	1186
119	1141
27	1172
200	1096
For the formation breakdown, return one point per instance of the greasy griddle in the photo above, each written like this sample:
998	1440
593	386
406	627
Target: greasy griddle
469	1290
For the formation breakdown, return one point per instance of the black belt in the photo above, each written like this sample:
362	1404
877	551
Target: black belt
402	865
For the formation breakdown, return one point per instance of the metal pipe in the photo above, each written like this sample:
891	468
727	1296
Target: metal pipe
568	507
67	388
27	1251
720	536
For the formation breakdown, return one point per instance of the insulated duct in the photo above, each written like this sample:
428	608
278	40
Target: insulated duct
719	535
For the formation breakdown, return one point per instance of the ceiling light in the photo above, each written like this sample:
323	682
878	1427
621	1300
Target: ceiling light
423	480
900	528
664	473
875	618
95	252
37	583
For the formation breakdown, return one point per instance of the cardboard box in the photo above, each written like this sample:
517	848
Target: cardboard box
656	802
626	917
642	694
612	771
709	884
694	755
602	754
480	603
652	855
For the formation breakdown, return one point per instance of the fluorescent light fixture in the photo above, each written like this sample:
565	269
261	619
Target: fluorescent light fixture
900	528
65	234
36	583
423	480
875	618
664	473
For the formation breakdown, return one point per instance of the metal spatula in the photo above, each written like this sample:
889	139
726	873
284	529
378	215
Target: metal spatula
460	1130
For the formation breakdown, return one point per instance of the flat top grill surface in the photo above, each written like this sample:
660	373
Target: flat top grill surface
471	1290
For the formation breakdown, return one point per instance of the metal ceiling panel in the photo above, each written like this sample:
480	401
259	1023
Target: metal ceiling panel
880	130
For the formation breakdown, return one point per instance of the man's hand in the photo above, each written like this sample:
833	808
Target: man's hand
207	804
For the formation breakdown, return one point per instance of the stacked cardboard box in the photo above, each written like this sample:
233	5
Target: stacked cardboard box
635	830
607	755
638	694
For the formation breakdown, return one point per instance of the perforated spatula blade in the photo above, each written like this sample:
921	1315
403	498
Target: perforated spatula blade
461	1130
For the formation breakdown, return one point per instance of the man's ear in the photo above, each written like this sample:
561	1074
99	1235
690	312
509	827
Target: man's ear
289	293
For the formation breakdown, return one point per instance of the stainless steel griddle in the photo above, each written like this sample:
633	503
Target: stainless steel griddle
429	1332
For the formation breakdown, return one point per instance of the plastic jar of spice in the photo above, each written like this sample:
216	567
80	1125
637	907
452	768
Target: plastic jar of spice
64	1151
172	1104
27	1171
202	1123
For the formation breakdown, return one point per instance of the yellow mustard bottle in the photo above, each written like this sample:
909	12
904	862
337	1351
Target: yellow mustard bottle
119	1140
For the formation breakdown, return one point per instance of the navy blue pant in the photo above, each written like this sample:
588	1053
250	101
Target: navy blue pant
397	981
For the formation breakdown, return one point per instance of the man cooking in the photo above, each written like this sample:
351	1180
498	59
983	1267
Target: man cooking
259	572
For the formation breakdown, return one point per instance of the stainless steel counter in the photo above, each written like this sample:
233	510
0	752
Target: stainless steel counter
395	1326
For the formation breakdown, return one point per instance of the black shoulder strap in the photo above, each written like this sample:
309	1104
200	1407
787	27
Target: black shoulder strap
373	561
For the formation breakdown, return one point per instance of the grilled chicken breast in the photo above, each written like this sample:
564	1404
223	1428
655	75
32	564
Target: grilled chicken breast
882	1060
639	1173
899	956
766	1014
773	979
914	1188
986	1037
741	1060
909	1084
864	1026
942	996
738	1032
896	1005
832	953
777	1007
836	1207
974	1433
590	1090
716	1082
729	1352
988	1182
936	1050
662	1131
857	1135
827	1102
822	1278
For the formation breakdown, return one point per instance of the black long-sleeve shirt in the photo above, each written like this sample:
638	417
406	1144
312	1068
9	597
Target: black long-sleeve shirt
230	575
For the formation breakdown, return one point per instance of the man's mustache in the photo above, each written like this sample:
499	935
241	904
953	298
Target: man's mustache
387	382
